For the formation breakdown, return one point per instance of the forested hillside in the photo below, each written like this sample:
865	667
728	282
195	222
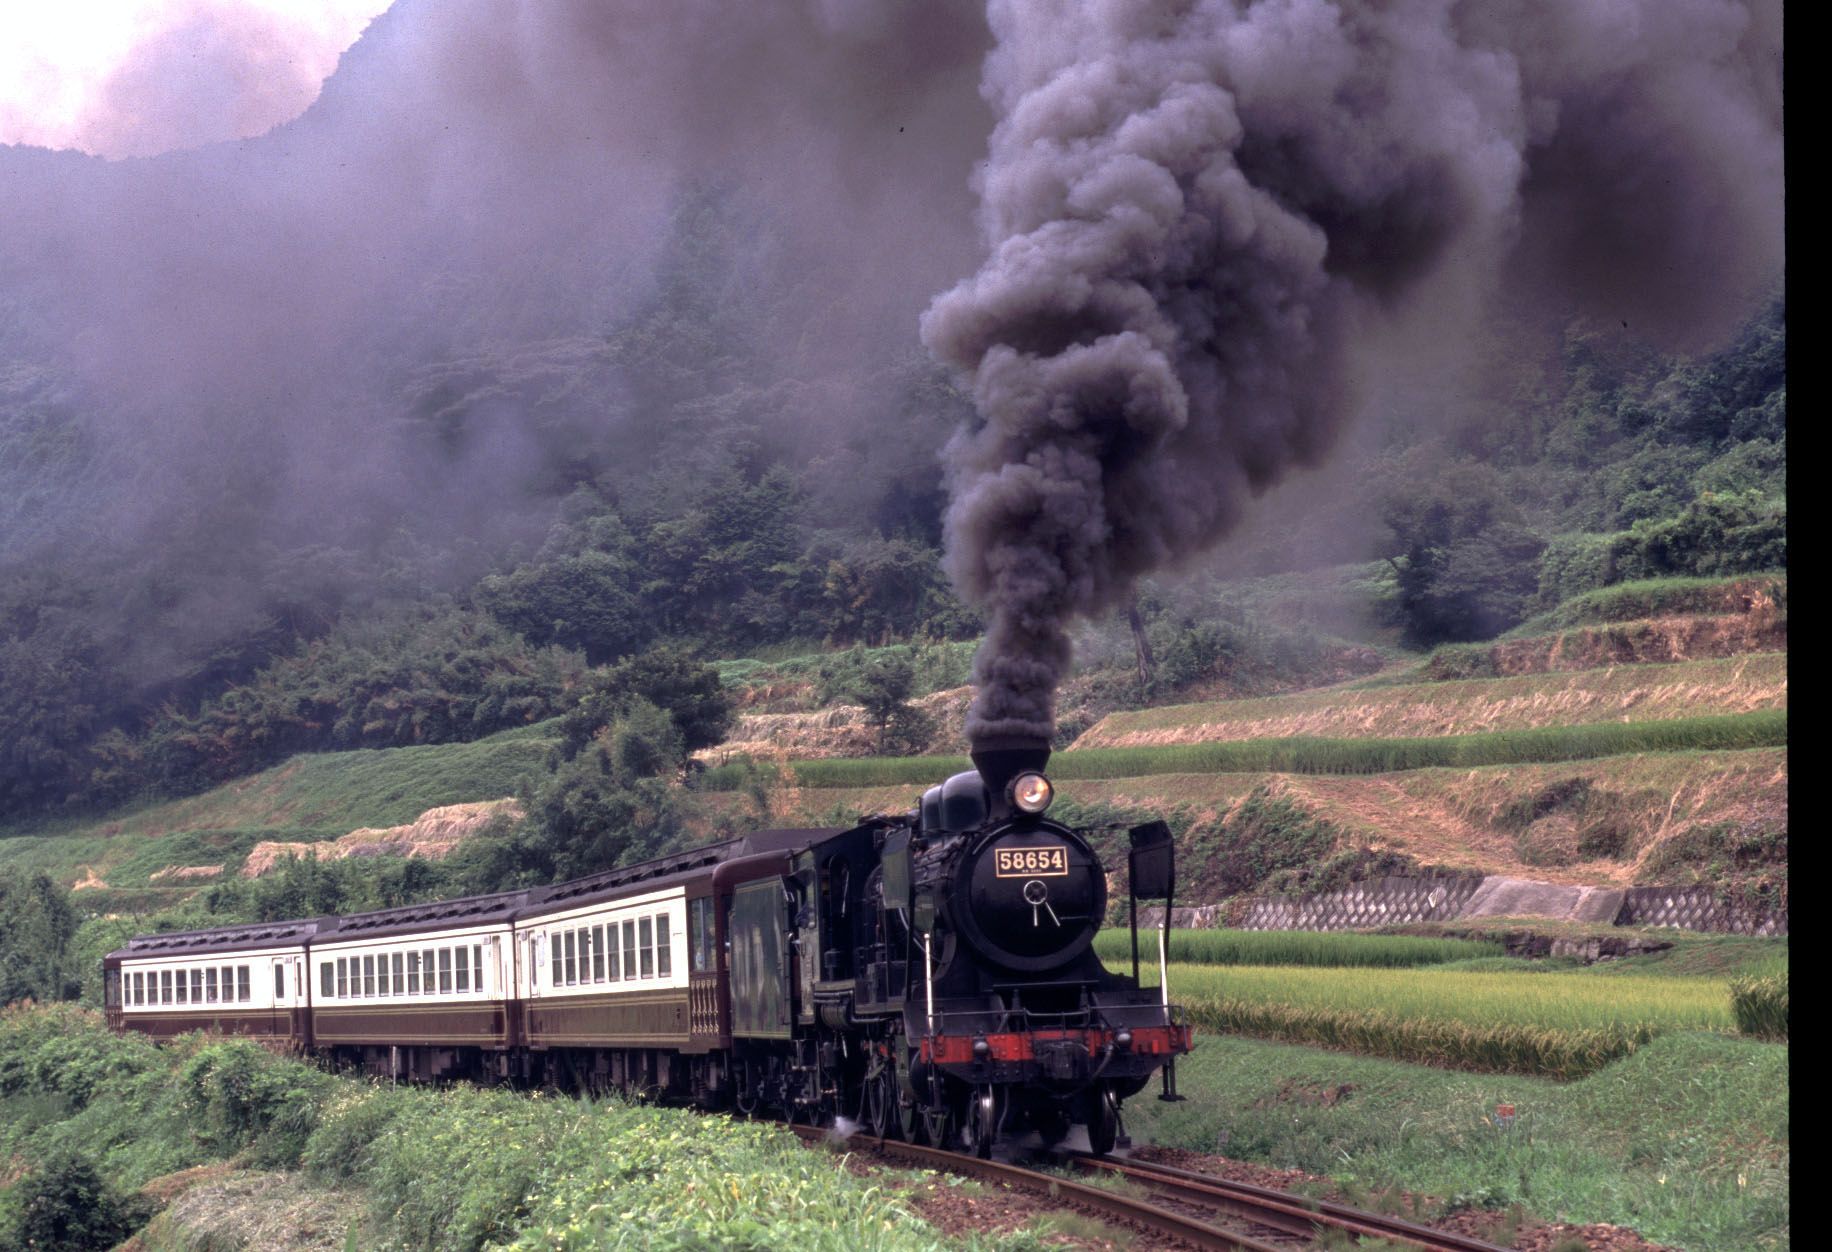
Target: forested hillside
1612	463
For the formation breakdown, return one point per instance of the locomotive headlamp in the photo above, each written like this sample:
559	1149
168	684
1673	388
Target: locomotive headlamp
1031	792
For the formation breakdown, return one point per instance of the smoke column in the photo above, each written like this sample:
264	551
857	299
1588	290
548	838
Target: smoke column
1197	212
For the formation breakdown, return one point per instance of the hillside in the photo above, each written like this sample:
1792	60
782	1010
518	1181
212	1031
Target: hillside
1551	791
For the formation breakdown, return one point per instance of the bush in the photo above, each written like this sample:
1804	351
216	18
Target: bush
65	1205
240	1095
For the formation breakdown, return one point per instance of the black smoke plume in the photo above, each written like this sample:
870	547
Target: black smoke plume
1200	211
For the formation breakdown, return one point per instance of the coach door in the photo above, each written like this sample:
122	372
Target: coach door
111	997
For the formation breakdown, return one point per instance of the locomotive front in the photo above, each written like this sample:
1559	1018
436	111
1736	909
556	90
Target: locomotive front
1015	1023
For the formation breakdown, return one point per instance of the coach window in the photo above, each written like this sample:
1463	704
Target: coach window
699	941
572	958
399	961
629	950
165	986
413	973
182	985
197	985
135	993
648	947
369	975
610	953
445	970
427	963
477	967
244	984
279	981
664	947
585	954
343	976
228	984
327	979
597	954
556	965
464	973
209	984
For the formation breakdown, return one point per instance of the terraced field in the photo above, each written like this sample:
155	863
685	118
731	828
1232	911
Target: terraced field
1741	684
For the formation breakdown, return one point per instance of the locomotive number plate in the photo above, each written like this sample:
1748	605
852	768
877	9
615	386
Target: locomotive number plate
1030	862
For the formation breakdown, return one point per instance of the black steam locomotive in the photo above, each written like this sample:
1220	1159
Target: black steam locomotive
929	974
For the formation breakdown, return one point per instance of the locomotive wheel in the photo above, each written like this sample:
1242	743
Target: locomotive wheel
881	1105
1104	1124
982	1122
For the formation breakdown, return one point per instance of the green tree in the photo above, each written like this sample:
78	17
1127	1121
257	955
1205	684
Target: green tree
881	683
1465	566
667	678
610	802
37	924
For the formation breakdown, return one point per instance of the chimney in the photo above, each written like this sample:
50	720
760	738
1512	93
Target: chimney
1000	758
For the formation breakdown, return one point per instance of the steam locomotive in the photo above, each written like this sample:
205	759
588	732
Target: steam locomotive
929	974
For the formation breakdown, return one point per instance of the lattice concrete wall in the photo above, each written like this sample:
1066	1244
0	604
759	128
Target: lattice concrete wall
1377	902
1696	908
1386	901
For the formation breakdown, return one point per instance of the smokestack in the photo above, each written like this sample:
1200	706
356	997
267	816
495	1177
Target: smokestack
1198	212
1001	758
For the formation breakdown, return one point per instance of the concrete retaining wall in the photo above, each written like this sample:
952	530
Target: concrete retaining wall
1377	902
1387	901
1696	908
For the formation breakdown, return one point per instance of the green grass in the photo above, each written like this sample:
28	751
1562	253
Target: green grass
1290	947
310	797
1305	755
1656	1141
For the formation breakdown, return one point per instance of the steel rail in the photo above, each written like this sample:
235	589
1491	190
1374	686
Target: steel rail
1110	1203
1278	1209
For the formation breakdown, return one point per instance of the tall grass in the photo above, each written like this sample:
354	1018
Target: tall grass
1308	755
1293	947
1760	1006
1499	1047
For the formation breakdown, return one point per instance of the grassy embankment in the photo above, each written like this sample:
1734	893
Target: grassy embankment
377	1166
309	798
1685	1139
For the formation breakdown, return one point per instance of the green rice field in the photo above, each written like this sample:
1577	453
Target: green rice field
1291	947
1576	1000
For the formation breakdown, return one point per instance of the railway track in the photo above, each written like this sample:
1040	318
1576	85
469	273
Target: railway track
1183	1205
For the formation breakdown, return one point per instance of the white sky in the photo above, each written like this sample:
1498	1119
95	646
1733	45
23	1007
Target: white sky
57	58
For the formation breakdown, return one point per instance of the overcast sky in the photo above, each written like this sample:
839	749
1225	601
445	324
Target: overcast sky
135	77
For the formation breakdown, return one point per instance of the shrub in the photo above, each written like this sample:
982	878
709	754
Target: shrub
241	1096
65	1205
